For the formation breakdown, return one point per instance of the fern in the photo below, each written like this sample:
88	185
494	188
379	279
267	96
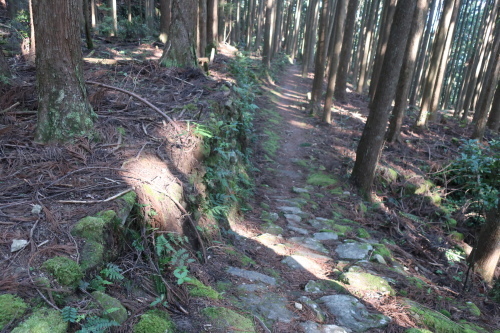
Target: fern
96	324
69	314
112	272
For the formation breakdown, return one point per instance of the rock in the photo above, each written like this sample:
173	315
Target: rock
251	275
310	254
290	203
298	306
292	218
353	250
380	259
301	262
350	313
37	209
298	230
368	282
326	236
321	223
310	243
312	327
18	244
299	190
226	320
321	286
272	228
314	307
268	305
270	217
290	210
112	307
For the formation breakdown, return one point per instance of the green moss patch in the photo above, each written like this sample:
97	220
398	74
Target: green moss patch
65	270
197	289
368	282
362	233
43	321
382	250
154	321
11	308
112	307
228	320
270	144
321	179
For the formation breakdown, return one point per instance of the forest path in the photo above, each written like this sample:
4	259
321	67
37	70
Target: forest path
292	237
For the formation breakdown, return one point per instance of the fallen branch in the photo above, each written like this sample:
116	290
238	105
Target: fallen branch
9	108
95	201
163	114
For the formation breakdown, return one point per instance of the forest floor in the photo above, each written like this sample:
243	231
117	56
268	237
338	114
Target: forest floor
303	210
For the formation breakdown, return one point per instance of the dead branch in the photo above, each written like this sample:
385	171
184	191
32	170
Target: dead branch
95	201
163	114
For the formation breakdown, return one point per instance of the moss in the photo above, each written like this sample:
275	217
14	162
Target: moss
418	283
92	255
368	282
11	308
382	250
457	236
227	320
265	206
271	142
65	270
417	330
473	309
113	309
154	321
246	260
424	188
272	228
303	163
306	196
222	286
321	179
43	321
451	223
197	289
362	233
341	230
92	227
434	198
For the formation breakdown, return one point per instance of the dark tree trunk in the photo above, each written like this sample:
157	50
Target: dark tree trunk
212	23
165	17
202	27
180	49
345	54
372	139
63	109
410	57
88	28
494	118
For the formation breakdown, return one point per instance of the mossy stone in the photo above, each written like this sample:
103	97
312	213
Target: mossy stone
154	321
197	289
65	270
113	309
382	250
321	179
341	230
362	233
457	236
417	330
473	309
43	320
228	320
368	282
11	308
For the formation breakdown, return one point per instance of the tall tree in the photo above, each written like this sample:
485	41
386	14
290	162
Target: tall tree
212	23
345	53
296	26
372	139
268	34
63	108
165	16
202	27
494	118
114	16
319	65
335	47
410	57
180	49
433	82
309	36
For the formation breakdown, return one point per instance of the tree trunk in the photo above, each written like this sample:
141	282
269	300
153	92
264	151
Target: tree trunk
494	118
372	139
487	253
296	27
250	23
278	29
438	50
489	87
409	60
93	13
88	28
180	49
4	66
268	35
336	47
212	23
165	17
370	27
63	109
309	36
202	27
389	9
345	53
114	17
319	65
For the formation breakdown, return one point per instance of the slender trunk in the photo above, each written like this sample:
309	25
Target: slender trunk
250	23
372	139
268	35
366	50
260	24
212	23
114	17
295	39
494	118
165	17
336	47
309	36
88	28
409	60
93	14
202	27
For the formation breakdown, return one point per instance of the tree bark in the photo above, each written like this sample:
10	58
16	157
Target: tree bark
370	27
63	109
180	49
202	27
409	60
295	40
165	17
372	139
345	53
114	17
494	118
268	35
336	47
212	23
486	255
88	28
309	36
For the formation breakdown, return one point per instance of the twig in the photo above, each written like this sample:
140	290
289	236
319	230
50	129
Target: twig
262	324
163	114
95	201
173	77
10	108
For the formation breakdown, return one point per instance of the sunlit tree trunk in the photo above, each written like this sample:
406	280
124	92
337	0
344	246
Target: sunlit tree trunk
63	109
372	139
345	53
410	57
92	13
180	49
268	34
336	47
114	16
